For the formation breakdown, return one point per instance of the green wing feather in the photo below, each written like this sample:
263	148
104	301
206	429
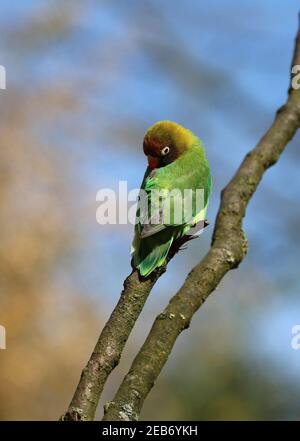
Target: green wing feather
152	243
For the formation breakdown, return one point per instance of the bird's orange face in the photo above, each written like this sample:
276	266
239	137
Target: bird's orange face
160	152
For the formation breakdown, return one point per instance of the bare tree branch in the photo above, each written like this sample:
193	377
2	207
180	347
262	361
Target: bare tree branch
229	247
110	345
296	55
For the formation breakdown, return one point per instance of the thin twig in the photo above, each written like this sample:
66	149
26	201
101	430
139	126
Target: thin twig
110	345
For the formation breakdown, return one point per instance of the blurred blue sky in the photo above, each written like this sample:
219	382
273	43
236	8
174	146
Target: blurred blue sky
222	70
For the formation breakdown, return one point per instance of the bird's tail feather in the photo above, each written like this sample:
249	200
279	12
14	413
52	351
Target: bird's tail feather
152	255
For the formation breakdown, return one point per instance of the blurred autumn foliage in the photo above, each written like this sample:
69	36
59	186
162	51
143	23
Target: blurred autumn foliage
45	343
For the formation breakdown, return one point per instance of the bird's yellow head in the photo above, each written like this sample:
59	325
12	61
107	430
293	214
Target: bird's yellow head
165	141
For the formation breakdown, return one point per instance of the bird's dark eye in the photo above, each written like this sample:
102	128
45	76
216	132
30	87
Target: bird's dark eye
165	150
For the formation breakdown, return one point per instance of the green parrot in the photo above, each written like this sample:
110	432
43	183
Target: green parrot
177	169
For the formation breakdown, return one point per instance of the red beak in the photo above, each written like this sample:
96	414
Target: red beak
153	162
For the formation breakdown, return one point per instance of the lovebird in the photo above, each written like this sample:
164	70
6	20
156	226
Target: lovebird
177	170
